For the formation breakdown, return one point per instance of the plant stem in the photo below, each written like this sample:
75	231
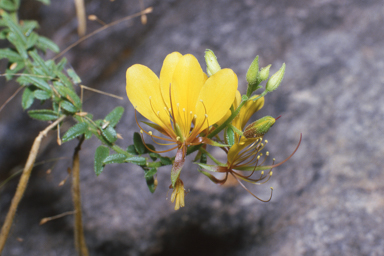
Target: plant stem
81	247
23	183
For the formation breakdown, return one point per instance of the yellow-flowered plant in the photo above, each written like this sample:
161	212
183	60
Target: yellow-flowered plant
189	108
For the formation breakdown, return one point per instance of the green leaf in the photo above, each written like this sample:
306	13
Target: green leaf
69	94
72	74
131	149
44	43
39	61
166	161
31	40
114	116
75	131
29	26
68	106
101	153
11	55
64	80
46	2
110	134
150	178
154	156
20	46
42	95
37	81
15	28
8	5
43	114
115	159
136	160
10	73
139	145
230	136
61	64
28	98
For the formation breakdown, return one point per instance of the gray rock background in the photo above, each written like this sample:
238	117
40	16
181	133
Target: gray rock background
328	198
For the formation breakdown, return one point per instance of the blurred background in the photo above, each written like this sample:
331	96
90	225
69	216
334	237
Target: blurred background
328	198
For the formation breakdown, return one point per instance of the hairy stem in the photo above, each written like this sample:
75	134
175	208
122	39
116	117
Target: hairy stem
23	183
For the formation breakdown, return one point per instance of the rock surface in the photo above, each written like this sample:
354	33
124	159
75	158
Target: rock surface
328	198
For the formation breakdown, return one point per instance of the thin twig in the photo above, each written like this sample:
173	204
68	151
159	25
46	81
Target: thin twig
23	183
45	220
81	247
98	91
81	17
146	11
10	98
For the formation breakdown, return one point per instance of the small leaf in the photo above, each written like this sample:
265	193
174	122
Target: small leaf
46	2
115	159
29	26
230	136
39	82
61	64
8	5
131	149
114	116
45	43
69	94
39	61
166	161
64	80
20	46
31	40
68	106
151	180
139	145
72	74
75	131
28	98
136	160
110	134
42	95
11	55
15	28
43	114
101	153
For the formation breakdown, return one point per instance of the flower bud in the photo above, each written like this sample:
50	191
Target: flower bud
212	63
275	79
259	127
264	73
252	72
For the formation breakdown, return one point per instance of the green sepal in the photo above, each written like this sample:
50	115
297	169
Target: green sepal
138	142
27	98
43	114
75	131
114	116
230	136
208	167
211	177
101	153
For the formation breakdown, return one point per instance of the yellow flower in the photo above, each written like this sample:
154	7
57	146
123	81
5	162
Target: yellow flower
178	194
183	102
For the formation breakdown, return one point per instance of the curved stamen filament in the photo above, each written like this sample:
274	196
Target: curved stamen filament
157	137
241	184
154	151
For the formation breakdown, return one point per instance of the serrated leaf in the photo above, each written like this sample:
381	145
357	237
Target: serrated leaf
8	5
45	43
43	114
39	61
110	134
132	150
29	26
136	160
10	73
68	106
75	131
15	28
72	74
69	94
101	153
64	80
20	46
114	116
42	95
154	156
230	136
139	145
61	64
37	81
150	172
11	55
115	159
166	161
28	98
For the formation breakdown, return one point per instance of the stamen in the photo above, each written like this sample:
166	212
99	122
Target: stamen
178	138
267	153
141	131
266	141
150	133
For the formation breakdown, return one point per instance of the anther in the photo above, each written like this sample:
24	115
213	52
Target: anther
262	172
141	131
195	116
258	157
184	109
272	188
267	153
266	141
158	112
190	112
177	104
273	159
206	115
150	97
270	173
135	107
150	133
201	100
178	138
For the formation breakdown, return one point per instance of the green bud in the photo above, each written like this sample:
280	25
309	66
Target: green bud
212	63
259	127
252	72
275	79
264	73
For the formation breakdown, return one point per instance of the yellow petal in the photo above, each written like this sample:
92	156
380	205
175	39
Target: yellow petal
249	109
166	75
216	97
237	148
188	79
143	91
235	104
